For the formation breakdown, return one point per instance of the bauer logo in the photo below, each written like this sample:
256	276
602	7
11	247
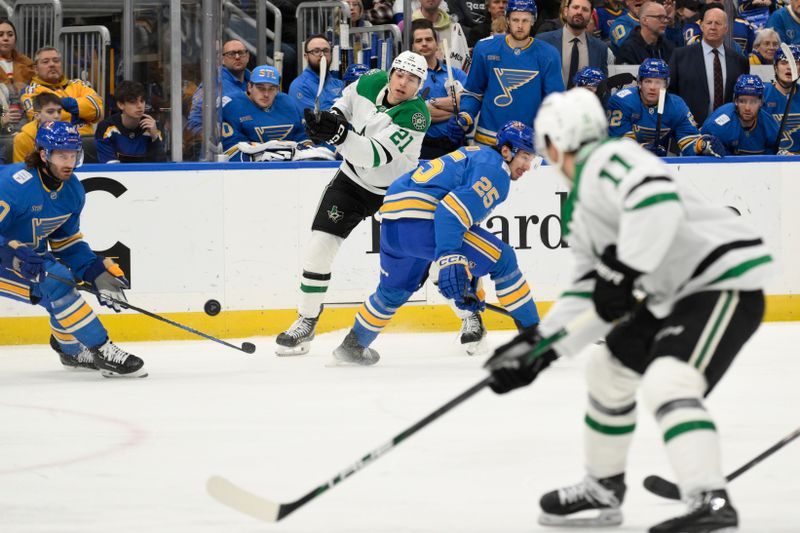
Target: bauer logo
119	252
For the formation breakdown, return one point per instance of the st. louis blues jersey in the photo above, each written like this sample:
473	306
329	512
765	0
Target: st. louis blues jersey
605	18
242	120
621	29
456	191
743	35
629	117
506	83
784	21
724	124
774	105
34	215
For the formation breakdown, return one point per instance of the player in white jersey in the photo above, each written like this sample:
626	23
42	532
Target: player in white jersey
633	225
377	126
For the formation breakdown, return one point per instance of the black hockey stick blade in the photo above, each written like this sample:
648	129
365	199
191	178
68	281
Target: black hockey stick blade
614	82
246	347
667	489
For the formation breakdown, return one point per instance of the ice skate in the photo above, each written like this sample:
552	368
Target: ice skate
84	359
114	362
350	351
473	333
296	339
709	512
590	503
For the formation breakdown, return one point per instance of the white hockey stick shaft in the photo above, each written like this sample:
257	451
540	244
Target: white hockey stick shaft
448	61
323	72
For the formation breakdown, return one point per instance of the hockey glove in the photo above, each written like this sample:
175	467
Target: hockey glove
108	279
458	126
613	288
656	150
22	260
709	145
513	366
331	127
455	282
70	105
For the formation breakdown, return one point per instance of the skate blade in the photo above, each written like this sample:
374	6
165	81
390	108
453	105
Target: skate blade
288	351
606	518
480	347
141	373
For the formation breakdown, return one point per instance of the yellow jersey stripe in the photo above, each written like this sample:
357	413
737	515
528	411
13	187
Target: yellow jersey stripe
57	245
454	206
65	337
484	139
490	249
401	205
514	296
77	316
372	319
14	289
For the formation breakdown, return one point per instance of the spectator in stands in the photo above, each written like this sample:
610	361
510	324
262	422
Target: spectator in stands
742	32
633	113
576	47
436	90
786	21
380	12
775	99
81	104
46	108
742	126
447	28
397	9
674	31
607	13
622	27
764	47
703	74
688	12
16	71
756	12
304	88
466	12
262	114
130	136
233	76
495	10
648	39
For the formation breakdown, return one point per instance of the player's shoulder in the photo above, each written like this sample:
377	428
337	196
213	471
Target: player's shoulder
370	84
16	177
412	114
490	43
676	102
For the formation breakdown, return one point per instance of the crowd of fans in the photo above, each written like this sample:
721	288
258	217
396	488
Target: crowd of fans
506	55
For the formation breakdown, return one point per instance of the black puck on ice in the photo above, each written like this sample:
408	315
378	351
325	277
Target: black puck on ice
248	347
212	308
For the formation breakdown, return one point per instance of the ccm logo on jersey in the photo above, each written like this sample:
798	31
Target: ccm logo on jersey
22	176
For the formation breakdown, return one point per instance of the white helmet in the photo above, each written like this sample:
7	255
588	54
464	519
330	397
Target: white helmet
413	63
569	120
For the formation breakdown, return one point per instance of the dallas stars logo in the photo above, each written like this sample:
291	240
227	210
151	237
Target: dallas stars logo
511	79
334	214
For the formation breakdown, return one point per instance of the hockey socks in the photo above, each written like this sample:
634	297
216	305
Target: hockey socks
515	295
372	317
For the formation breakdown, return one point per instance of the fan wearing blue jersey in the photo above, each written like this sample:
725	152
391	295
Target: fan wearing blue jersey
606	15
40	204
742	126
622	27
431	214
509	77
775	97
260	115
634	114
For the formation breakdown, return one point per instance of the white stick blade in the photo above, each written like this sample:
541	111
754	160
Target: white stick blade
241	500
790	58
662	96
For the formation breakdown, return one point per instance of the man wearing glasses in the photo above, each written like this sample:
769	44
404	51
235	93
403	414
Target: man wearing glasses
234	77
303	89
648	39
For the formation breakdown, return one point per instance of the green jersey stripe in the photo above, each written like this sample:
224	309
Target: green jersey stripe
656	199
683	427
606	429
741	268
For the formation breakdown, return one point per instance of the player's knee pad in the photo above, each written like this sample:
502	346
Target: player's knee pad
506	265
392	298
56	293
669	382
321	251
611	385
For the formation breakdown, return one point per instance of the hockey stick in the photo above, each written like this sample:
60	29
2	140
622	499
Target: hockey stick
449	64
614	82
667	489
251	504
497	309
662	96
787	52
246	347
323	72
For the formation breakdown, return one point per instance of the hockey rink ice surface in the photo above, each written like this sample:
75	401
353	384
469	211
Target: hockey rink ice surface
79	453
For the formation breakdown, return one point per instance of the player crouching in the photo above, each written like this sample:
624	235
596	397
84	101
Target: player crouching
41	202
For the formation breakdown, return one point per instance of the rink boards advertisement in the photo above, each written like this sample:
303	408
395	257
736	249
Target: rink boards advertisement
235	233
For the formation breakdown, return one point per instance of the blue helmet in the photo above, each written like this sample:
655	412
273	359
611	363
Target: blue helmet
780	56
588	77
517	135
265	74
354	71
749	85
654	68
59	136
521	5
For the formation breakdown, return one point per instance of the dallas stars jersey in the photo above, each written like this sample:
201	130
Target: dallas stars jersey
724	124
629	117
456	191
242	120
35	216
386	140
775	104
506	83
624	196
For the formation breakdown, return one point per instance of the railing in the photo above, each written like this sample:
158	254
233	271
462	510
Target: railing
84	51
38	23
329	18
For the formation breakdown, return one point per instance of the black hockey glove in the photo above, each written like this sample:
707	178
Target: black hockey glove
512	365
613	289
331	127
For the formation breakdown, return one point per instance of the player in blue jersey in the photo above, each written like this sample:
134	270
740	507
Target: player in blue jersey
432	214
634	114
775	97
785	22
742	126
622	27
262	114
40	204
353	72
509	77
606	15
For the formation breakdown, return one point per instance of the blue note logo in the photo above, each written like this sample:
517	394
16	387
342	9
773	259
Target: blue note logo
511	79
792	126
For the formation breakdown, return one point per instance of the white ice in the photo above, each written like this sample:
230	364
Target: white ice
79	453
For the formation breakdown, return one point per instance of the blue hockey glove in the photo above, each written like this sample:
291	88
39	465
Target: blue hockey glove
455	282
458	126
709	145
513	366
22	260
70	105
658	151
108	279
613	287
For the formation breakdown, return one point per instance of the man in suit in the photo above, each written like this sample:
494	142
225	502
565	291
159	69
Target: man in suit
703	74
577	48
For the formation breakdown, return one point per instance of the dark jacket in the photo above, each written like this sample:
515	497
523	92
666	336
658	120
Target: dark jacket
635	49
598	50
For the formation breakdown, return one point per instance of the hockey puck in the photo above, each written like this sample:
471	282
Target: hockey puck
212	308
248	347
